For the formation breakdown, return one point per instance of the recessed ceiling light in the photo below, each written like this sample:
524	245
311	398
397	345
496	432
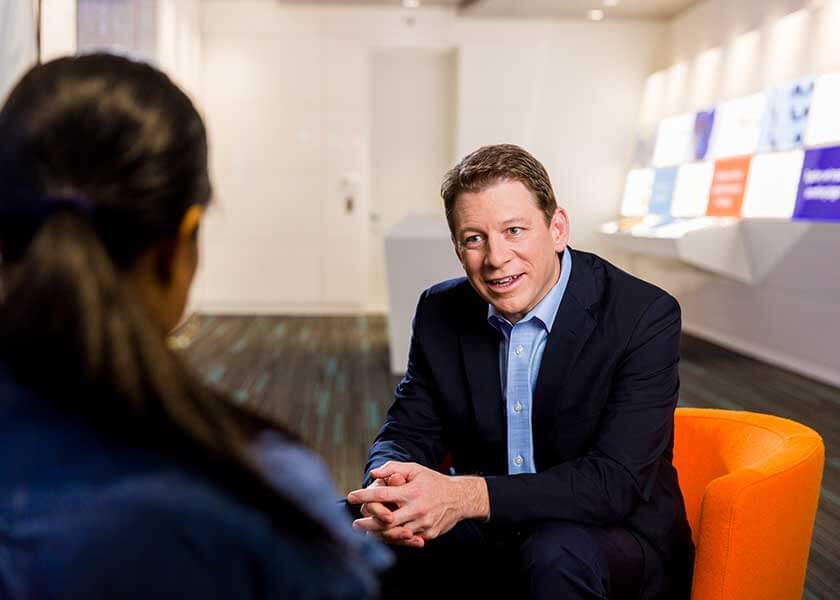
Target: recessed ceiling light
411	3
595	14
610	3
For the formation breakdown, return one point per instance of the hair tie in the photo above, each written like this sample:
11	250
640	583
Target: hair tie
54	204
20	221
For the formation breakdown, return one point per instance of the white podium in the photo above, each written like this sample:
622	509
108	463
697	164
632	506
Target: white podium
418	254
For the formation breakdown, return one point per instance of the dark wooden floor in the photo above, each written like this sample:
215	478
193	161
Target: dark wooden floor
328	378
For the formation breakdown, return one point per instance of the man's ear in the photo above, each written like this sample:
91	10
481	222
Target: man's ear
559	227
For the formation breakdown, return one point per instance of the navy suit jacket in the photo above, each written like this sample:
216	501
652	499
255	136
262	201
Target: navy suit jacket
603	409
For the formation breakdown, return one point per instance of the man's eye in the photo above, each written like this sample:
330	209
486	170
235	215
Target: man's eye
472	240
515	230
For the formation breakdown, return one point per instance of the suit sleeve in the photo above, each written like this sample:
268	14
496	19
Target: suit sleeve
635	431
412	431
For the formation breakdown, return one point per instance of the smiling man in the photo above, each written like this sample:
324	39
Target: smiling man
547	379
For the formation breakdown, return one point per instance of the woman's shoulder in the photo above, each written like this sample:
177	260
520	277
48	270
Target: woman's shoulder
300	475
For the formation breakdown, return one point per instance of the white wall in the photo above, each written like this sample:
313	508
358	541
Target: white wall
17	42
165	32
413	131
287	95
58	28
720	50
758	44
178	43
568	90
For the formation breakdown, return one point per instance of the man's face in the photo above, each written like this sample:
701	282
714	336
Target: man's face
508	251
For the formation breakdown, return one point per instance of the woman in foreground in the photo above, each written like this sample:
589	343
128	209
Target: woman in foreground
121	474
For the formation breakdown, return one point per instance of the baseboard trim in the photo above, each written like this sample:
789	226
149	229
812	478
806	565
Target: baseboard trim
773	357
320	310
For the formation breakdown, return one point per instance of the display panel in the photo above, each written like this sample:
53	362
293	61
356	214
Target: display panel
643	150
637	191
124	27
824	121
728	184
691	194
786	116
663	191
738	126
772	185
818	197
674	141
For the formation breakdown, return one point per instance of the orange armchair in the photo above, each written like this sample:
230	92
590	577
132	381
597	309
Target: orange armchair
751	484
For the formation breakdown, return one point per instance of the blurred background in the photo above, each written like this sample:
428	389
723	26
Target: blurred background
692	143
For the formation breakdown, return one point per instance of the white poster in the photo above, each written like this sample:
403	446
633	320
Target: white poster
691	195
637	191
772	185
824	120
738	126
674	141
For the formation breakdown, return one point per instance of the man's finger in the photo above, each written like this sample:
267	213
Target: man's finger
419	529
398	537
379	511
396	479
403	516
388	534
370	524
391	468
377	494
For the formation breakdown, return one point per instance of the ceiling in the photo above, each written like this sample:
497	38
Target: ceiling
635	9
453	3
626	9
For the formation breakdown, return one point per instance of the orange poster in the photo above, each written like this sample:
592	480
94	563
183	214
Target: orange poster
728	185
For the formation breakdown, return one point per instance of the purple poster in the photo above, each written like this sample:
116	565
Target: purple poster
703	124
819	186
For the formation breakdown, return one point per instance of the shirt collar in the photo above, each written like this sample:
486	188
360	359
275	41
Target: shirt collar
546	309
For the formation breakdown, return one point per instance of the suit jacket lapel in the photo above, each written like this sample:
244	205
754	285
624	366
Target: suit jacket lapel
480	353
572	327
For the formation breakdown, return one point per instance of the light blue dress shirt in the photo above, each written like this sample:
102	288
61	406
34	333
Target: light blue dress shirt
520	354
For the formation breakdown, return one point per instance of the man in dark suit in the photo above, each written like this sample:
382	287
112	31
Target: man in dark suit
548	377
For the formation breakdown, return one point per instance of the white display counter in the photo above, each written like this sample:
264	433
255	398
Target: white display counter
418	254
746	250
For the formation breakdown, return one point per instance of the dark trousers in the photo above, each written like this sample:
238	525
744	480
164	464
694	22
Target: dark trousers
551	560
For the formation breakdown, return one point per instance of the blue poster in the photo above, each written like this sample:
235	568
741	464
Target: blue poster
819	187
786	116
664	183
703	124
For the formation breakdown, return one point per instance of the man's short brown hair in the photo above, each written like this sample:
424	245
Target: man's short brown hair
490	165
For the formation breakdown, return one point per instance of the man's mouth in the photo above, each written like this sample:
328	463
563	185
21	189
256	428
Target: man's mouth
504	282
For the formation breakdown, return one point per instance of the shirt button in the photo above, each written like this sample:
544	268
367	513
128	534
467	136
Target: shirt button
519	349
517	407
518	461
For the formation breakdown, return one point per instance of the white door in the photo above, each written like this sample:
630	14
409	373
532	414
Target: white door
413	136
288	123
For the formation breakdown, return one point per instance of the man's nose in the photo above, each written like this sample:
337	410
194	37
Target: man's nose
498	252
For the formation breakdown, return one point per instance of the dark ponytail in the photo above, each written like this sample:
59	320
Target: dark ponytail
100	158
